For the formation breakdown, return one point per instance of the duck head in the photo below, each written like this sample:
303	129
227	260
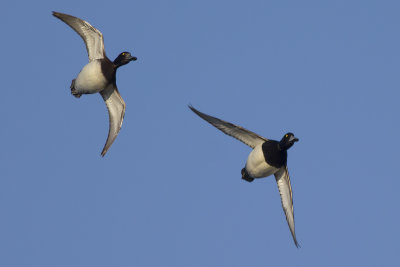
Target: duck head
123	59
287	141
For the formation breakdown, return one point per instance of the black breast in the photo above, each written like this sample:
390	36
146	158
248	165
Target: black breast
108	69
273	156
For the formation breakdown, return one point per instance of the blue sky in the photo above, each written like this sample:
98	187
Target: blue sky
169	191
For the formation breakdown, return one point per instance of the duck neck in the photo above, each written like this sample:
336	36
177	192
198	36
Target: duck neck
118	62
117	65
279	147
283	146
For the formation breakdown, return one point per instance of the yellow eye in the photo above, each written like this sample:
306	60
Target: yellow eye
286	135
123	54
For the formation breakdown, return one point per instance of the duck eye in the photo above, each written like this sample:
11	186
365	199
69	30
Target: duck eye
286	135
123	54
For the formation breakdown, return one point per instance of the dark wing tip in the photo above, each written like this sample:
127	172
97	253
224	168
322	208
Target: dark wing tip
297	244
195	111
204	116
60	16
191	106
57	14
63	16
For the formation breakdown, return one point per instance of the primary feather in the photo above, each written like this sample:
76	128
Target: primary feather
248	137
91	36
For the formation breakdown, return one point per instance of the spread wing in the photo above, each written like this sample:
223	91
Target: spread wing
249	138
116	111
91	36
285	189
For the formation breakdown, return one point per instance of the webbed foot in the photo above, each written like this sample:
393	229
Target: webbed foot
246	176
73	90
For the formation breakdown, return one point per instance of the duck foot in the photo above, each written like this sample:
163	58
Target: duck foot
73	90
246	176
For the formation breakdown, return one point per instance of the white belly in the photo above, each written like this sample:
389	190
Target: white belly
90	80
256	165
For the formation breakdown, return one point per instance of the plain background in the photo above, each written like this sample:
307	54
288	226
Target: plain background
169	191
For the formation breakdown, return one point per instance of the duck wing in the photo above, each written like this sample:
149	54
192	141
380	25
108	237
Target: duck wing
116	111
248	137
285	189
91	36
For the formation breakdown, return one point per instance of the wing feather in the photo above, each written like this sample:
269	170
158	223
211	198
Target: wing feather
285	189
91	36
116	112
249	138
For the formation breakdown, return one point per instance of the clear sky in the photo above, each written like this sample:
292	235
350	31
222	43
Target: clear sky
169	191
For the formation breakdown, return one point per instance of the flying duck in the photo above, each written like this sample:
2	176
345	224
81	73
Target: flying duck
267	157
99	75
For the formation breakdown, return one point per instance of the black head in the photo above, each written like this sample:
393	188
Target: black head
287	141
124	58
